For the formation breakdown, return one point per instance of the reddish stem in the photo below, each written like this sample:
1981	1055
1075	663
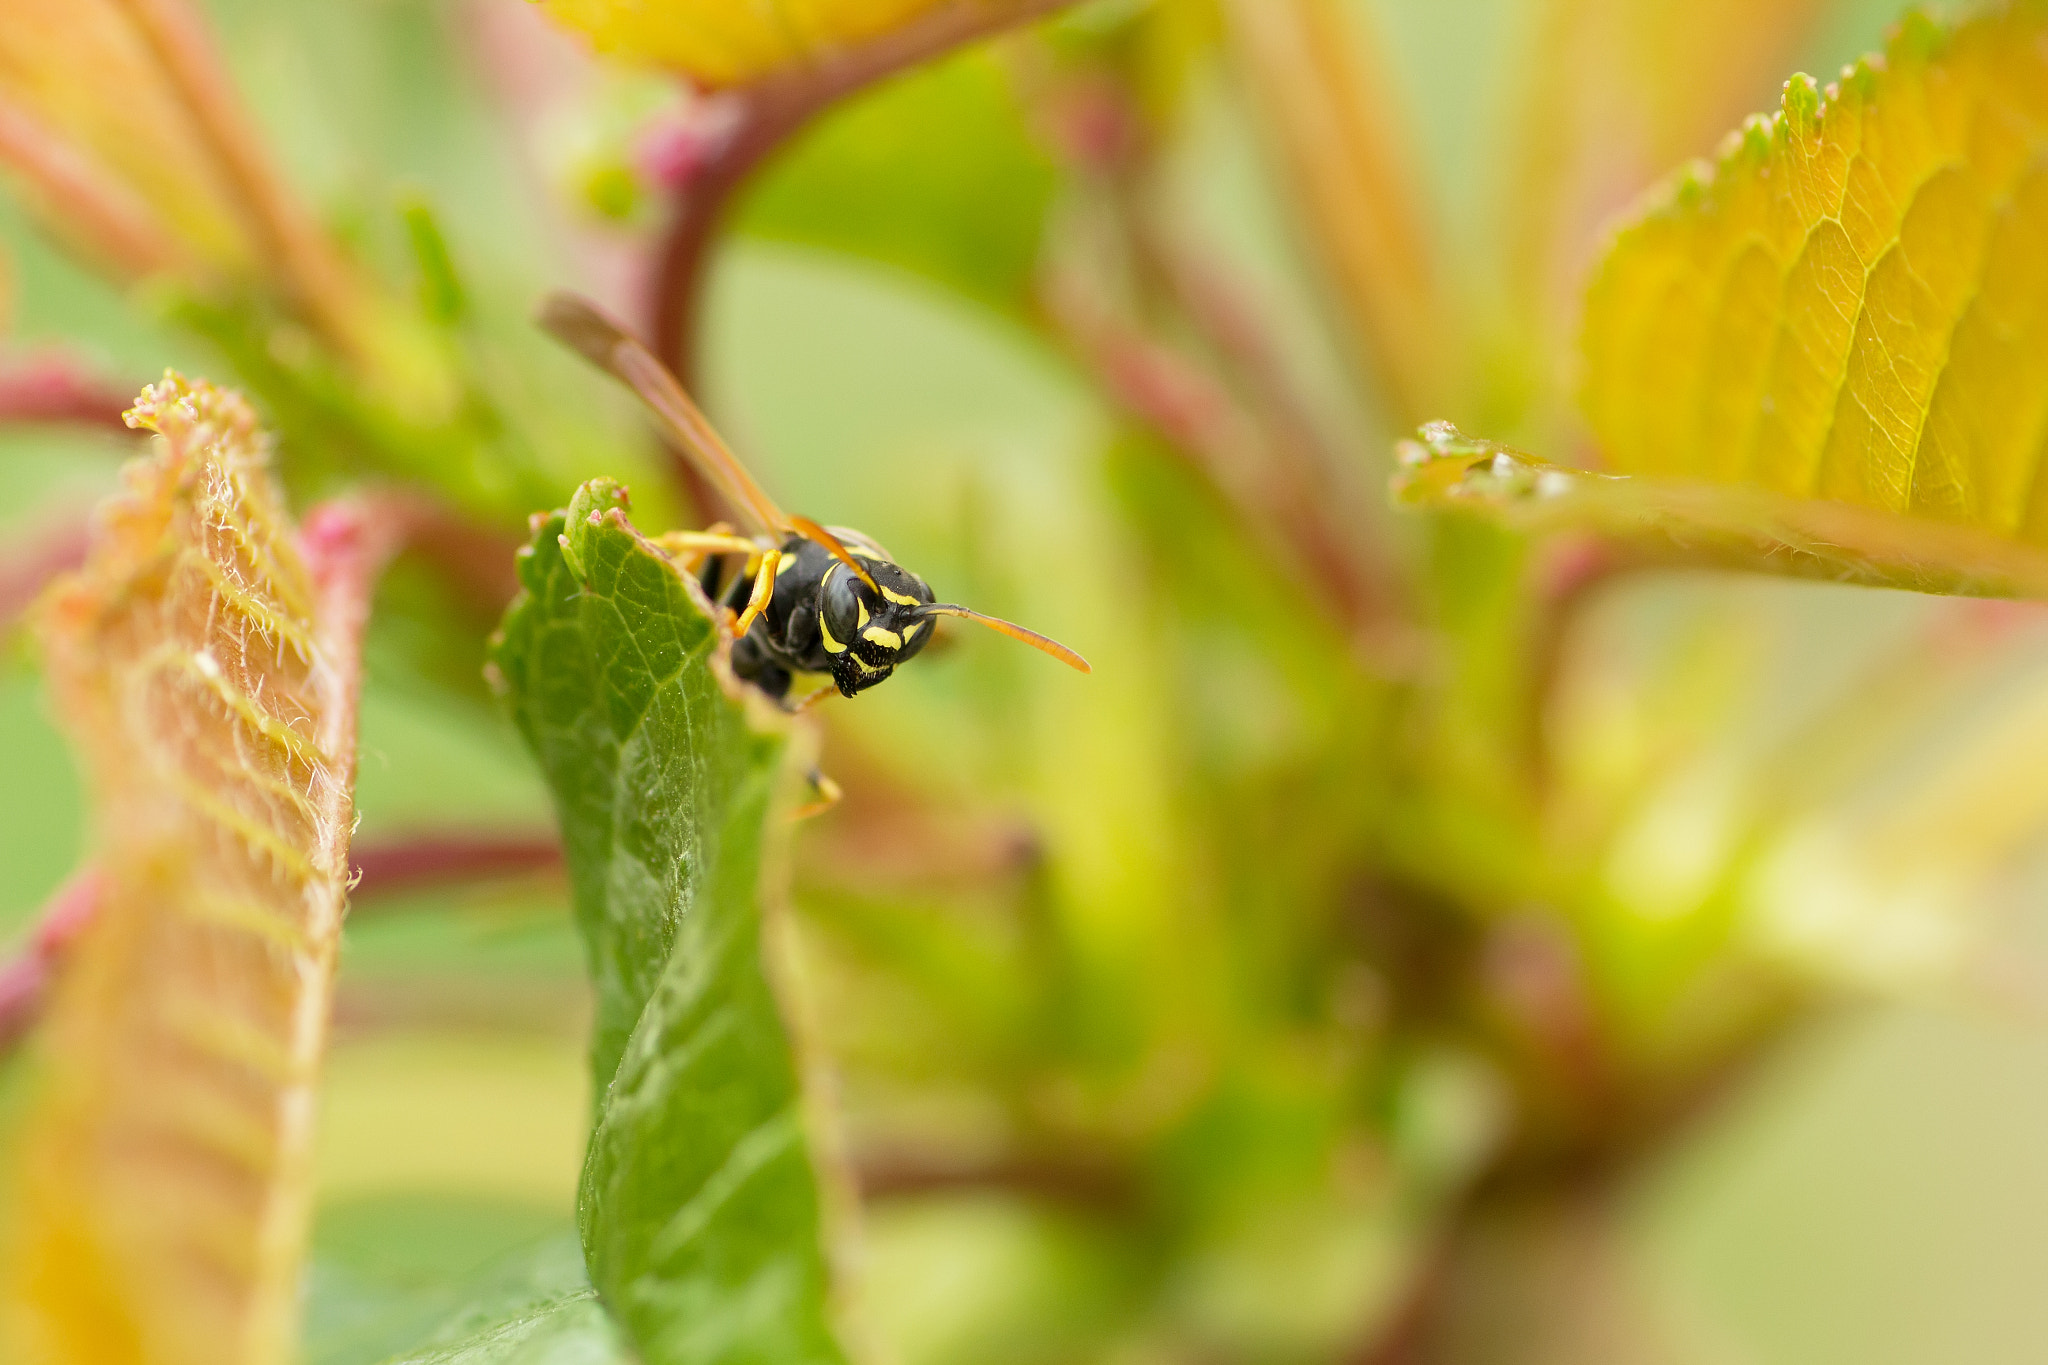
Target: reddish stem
400	867
1193	410
739	128
1058	1178
49	388
25	982
59	549
97	211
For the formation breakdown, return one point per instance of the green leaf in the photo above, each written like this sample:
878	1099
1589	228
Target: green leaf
700	1205
937	173
571	1329
533	1306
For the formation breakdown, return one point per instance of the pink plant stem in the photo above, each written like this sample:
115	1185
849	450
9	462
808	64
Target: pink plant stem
25	981
399	867
107	219
306	268
1188	406
50	388
739	128
59	549
390	869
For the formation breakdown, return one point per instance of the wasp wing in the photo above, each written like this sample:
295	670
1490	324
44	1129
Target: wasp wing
581	326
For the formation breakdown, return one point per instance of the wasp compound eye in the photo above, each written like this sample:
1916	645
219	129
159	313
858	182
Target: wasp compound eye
841	612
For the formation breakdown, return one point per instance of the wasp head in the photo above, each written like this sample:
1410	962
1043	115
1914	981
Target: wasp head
869	631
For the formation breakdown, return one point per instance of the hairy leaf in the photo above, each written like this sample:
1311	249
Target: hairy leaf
1852	303
205	664
701	1204
720	42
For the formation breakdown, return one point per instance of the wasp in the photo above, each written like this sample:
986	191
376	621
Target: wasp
808	598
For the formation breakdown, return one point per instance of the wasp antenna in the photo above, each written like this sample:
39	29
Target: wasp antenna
578	323
1044	643
587	330
810	530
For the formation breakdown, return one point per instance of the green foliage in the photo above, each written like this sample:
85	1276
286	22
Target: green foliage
572	1329
1211	1007
700	1204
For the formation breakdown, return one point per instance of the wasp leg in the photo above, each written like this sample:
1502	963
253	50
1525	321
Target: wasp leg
828	795
691	547
764	591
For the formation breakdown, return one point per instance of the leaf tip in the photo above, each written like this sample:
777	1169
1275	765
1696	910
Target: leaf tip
1801	104
1917	38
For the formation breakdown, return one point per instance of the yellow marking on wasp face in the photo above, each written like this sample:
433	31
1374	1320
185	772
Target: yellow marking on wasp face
832	646
863	612
866	667
788	563
875	635
900	600
910	631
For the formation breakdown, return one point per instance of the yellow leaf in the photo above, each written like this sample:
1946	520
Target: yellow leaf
1851	304
207	676
729	42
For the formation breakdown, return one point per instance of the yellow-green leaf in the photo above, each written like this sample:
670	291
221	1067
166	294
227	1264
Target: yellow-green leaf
205	668
1690	522
1851	304
727	42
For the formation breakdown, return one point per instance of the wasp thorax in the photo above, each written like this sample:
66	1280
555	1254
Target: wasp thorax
868	631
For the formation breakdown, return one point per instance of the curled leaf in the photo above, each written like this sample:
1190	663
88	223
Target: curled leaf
702	1204
1852	302
205	664
720	43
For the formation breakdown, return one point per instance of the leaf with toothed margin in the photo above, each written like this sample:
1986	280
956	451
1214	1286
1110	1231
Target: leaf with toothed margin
1851	304
701	1208
204	662
1827	353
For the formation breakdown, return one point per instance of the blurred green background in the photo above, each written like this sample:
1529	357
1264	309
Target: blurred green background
1876	1194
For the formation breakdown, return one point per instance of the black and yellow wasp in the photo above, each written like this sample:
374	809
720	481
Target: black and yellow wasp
808	599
